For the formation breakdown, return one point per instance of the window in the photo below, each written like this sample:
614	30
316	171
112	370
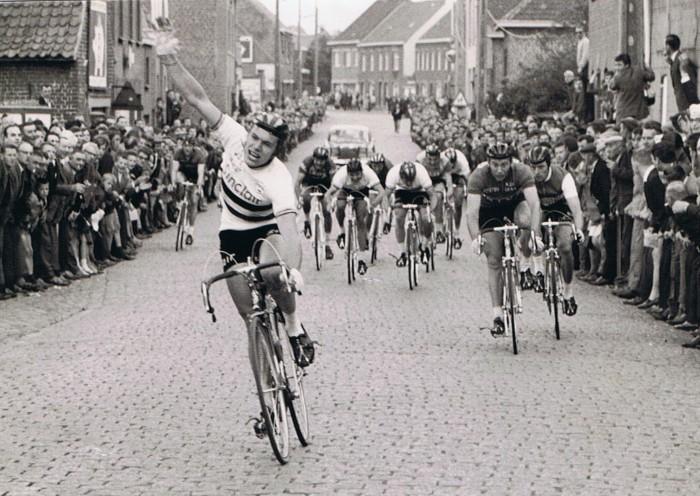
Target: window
336	58
348	56
147	71
357	58
364	63
664	98
371	62
137	19
396	61
380	62
439	61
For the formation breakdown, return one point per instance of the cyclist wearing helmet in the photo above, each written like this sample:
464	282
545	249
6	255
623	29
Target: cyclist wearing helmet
439	169
497	189
381	166
355	179
316	170
459	170
257	196
558	201
410	184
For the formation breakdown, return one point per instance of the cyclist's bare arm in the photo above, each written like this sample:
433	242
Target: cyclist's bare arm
533	201
473	206
448	184
200	174
387	193
576	212
191	90
297	184
329	195
286	223
377	198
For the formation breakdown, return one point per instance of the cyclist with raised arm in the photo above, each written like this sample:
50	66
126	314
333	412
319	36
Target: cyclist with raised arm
558	202
188	165
355	179
439	169
381	166
257	195
499	189
316	170
411	185
459	172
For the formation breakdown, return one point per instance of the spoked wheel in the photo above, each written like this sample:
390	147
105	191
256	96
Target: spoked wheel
271	389
411	263
374	237
319	249
432	258
449	235
350	252
180	236
509	305
556	300
296	399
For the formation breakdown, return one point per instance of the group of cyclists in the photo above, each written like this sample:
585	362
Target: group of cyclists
498	190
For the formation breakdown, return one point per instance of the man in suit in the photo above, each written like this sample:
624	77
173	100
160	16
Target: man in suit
629	82
684	73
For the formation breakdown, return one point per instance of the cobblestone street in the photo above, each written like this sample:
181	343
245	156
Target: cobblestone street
121	385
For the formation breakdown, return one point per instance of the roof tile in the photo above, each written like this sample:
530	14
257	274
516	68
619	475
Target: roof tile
403	22
368	20
47	29
442	29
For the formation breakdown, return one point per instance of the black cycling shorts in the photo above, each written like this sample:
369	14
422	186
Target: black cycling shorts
316	181
458	180
438	180
493	216
237	246
345	192
410	197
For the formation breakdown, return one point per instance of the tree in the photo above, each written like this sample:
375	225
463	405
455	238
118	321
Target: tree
324	62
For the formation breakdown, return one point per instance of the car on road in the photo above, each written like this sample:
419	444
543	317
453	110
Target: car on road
349	141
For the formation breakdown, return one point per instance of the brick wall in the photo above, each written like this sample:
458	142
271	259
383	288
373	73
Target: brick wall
603	32
343	74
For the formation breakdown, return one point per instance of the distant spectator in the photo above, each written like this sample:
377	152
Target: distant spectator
630	83
582	56
684	73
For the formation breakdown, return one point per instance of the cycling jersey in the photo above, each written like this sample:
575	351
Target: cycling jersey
438	170
315	174
383	172
188	164
341	179
459	169
499	199
421	182
554	190
251	197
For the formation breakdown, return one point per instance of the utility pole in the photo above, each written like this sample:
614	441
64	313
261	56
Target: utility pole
300	81
278	79
316	50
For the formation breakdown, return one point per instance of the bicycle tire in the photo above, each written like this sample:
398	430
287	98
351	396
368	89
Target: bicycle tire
509	303
374	237
411	256
298	409
179	237
265	369
555	297
349	251
449	234
318	248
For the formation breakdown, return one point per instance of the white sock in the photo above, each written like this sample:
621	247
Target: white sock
525	263
497	312
538	262
292	324
568	291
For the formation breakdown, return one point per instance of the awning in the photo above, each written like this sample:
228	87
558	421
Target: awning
127	99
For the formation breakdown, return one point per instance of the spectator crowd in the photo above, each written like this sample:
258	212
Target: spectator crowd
637	180
77	199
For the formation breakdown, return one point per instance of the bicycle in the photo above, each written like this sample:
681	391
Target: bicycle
553	281
352	245
183	218
512	298
318	232
278	378
375	232
449	216
412	242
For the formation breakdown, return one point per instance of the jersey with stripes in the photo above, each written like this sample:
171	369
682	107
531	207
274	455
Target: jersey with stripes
251	198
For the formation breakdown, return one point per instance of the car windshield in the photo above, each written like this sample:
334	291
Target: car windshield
345	135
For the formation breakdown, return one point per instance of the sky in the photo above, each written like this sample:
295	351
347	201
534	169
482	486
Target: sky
333	15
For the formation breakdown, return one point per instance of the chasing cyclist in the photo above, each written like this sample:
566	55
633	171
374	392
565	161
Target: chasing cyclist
357	180
459	171
257	194
381	167
410	184
188	165
439	169
316	170
501	188
558	202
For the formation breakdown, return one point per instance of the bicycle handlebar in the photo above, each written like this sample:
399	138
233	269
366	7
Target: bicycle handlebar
251	272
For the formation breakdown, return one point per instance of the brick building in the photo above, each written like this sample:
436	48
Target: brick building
62	58
434	73
345	62
208	43
504	36
639	27
256	30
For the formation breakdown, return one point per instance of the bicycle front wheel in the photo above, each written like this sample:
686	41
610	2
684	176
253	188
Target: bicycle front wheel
318	245
296	398
374	236
449	234
554	295
411	254
509	304
350	252
180	235
270	387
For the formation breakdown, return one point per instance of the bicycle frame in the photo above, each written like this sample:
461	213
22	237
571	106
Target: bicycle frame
553	281
318	239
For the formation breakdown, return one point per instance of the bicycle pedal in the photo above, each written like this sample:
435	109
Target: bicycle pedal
258	427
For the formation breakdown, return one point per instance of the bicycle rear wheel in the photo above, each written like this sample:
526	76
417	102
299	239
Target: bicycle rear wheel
180	235
509	304
270	387
555	289
318	248
350	252
374	236
411	256
449	234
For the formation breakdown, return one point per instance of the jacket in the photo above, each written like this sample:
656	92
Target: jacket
629	84
686	93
